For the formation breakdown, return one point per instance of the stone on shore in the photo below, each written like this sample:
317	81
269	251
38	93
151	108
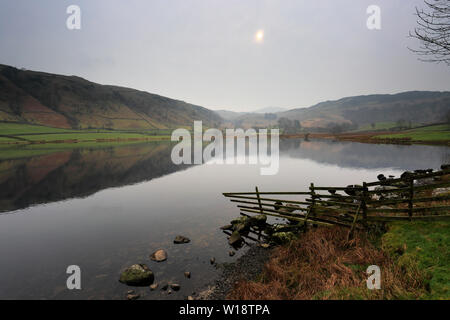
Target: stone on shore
282	237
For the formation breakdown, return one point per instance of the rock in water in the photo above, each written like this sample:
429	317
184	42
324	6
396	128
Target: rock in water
235	239
137	275
227	227
133	296
277	205
258	220
175	286
181	239
231	253
187	274
154	286
159	255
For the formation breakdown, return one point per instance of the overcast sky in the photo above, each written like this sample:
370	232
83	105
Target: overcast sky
204	51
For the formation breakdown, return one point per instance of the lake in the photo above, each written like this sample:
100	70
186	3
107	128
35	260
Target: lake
107	208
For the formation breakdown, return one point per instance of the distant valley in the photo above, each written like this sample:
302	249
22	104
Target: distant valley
71	102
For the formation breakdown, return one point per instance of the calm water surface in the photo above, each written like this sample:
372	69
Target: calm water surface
107	208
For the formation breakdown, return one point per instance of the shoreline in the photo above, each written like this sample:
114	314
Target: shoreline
249	266
369	137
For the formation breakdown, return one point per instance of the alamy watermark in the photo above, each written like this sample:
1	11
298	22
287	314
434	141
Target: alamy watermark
374	279
190	149
73	22
74	280
374	20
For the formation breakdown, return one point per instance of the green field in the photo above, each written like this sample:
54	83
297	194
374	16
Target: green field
429	133
26	133
423	247
378	126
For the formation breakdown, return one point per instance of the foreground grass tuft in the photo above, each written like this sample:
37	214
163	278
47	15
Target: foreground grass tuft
321	264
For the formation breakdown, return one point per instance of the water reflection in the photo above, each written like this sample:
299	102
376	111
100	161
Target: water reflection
366	156
80	173
123	203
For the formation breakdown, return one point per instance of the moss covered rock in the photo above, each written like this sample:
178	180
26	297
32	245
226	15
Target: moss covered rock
137	275
258	220
282	237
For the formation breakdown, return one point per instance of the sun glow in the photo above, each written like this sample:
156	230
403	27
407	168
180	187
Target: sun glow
259	36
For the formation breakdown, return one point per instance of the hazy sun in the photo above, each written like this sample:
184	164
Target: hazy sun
259	36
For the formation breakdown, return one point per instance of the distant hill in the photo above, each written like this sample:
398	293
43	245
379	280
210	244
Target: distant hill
72	102
424	107
416	106
270	110
229	115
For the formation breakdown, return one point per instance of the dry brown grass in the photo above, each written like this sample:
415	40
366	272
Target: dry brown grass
321	264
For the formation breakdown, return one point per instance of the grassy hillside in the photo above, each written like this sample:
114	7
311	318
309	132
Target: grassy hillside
416	106
75	103
383	110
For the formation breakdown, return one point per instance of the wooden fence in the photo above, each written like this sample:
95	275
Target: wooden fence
414	196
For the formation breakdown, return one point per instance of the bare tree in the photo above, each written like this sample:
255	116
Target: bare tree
433	31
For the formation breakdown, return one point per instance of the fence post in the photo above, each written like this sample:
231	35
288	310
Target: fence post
411	196
313	198
363	203
311	207
259	200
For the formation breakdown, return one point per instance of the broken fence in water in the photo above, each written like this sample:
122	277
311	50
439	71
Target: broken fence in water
413	196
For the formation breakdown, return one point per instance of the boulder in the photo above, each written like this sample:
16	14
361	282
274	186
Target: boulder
277	205
159	255
181	239
258	220
406	175
241	228
387	195
291	207
240	220
282	237
235	239
137	275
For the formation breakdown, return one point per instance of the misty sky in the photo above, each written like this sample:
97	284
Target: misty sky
204	51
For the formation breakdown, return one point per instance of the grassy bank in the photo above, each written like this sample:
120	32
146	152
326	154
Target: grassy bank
433	135
16	133
321	264
438	133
